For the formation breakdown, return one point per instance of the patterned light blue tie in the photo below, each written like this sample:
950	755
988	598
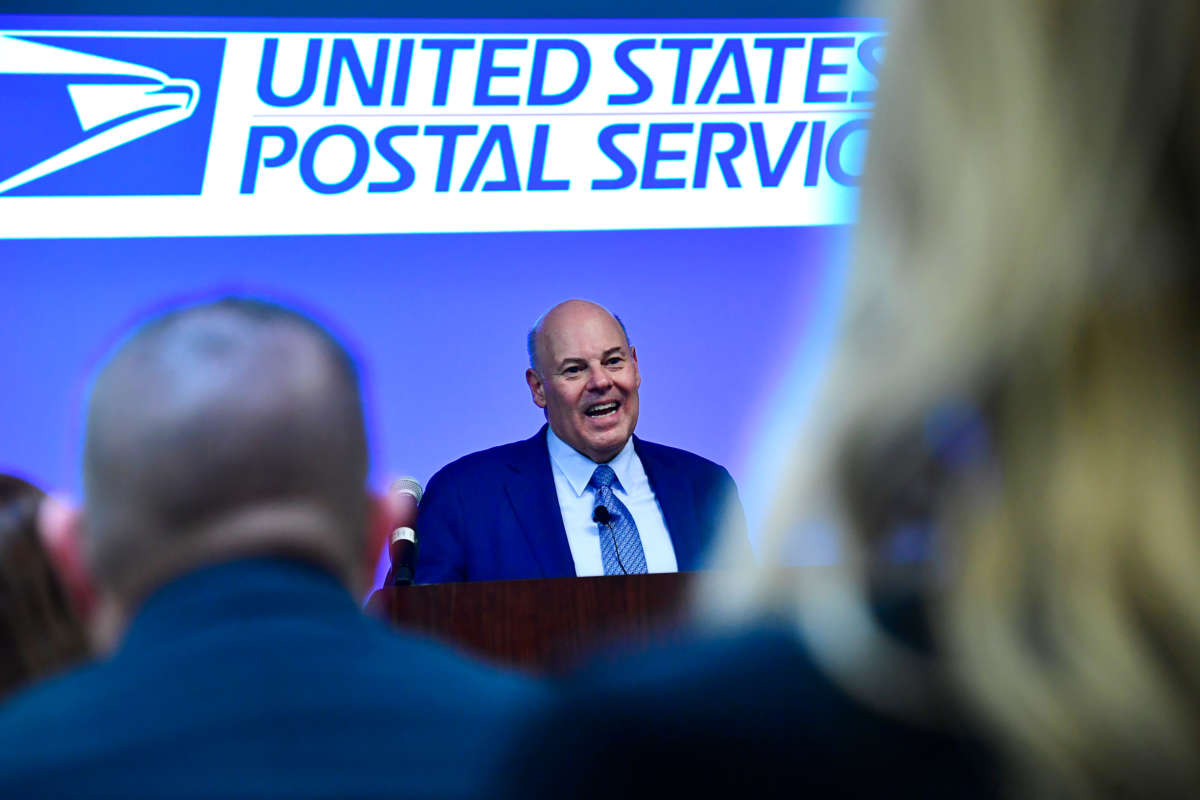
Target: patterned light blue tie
620	543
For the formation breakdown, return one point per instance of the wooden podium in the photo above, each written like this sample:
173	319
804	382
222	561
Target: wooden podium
541	625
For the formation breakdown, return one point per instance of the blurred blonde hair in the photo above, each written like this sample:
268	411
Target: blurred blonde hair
1027	247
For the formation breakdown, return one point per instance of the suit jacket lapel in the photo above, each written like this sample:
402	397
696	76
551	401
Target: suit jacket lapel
674	494
530	488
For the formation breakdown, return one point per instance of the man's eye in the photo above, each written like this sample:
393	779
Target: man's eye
572	371
615	361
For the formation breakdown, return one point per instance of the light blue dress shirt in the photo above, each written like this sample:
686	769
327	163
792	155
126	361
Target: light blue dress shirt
572	471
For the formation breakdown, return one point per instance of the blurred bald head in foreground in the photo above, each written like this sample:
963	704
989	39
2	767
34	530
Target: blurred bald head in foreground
226	531
225	429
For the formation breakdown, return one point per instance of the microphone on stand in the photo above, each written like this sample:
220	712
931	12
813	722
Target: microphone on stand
403	552
602	516
402	546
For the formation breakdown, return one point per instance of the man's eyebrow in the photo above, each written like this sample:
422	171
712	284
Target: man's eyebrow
618	349
570	360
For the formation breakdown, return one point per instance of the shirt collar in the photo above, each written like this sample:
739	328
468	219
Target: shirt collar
578	468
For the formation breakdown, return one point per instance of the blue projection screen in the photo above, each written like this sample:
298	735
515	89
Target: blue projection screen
427	188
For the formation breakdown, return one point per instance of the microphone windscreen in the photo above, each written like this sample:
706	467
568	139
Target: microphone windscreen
403	496
408	486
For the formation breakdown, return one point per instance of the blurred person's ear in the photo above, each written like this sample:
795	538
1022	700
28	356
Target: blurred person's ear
60	525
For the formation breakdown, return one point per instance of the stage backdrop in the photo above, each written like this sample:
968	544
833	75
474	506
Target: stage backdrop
427	188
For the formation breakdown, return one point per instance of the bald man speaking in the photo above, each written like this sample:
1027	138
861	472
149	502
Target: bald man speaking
583	496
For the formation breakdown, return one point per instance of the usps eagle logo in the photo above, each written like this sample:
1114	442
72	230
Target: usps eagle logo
96	115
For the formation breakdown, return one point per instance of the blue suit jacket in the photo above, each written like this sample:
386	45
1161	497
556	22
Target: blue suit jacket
261	678
494	515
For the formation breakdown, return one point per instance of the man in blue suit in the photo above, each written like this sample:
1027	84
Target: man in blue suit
583	496
228	530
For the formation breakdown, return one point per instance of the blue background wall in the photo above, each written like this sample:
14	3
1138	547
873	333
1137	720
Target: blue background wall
720	319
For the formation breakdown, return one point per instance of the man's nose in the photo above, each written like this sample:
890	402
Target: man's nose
598	378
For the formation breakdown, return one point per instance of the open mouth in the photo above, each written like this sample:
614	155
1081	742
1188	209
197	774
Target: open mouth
602	409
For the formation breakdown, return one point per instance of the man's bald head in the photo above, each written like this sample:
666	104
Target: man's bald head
236	424
532	341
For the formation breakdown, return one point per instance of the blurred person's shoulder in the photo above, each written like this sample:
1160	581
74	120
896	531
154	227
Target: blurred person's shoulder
737	710
262	675
40	727
47	701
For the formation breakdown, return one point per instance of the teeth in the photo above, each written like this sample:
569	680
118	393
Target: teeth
601	410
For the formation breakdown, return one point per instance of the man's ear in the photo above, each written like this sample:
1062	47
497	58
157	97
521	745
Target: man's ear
60	525
381	516
633	358
536	387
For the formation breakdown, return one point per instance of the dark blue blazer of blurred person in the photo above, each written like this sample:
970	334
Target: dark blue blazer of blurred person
741	713
494	515
261	678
